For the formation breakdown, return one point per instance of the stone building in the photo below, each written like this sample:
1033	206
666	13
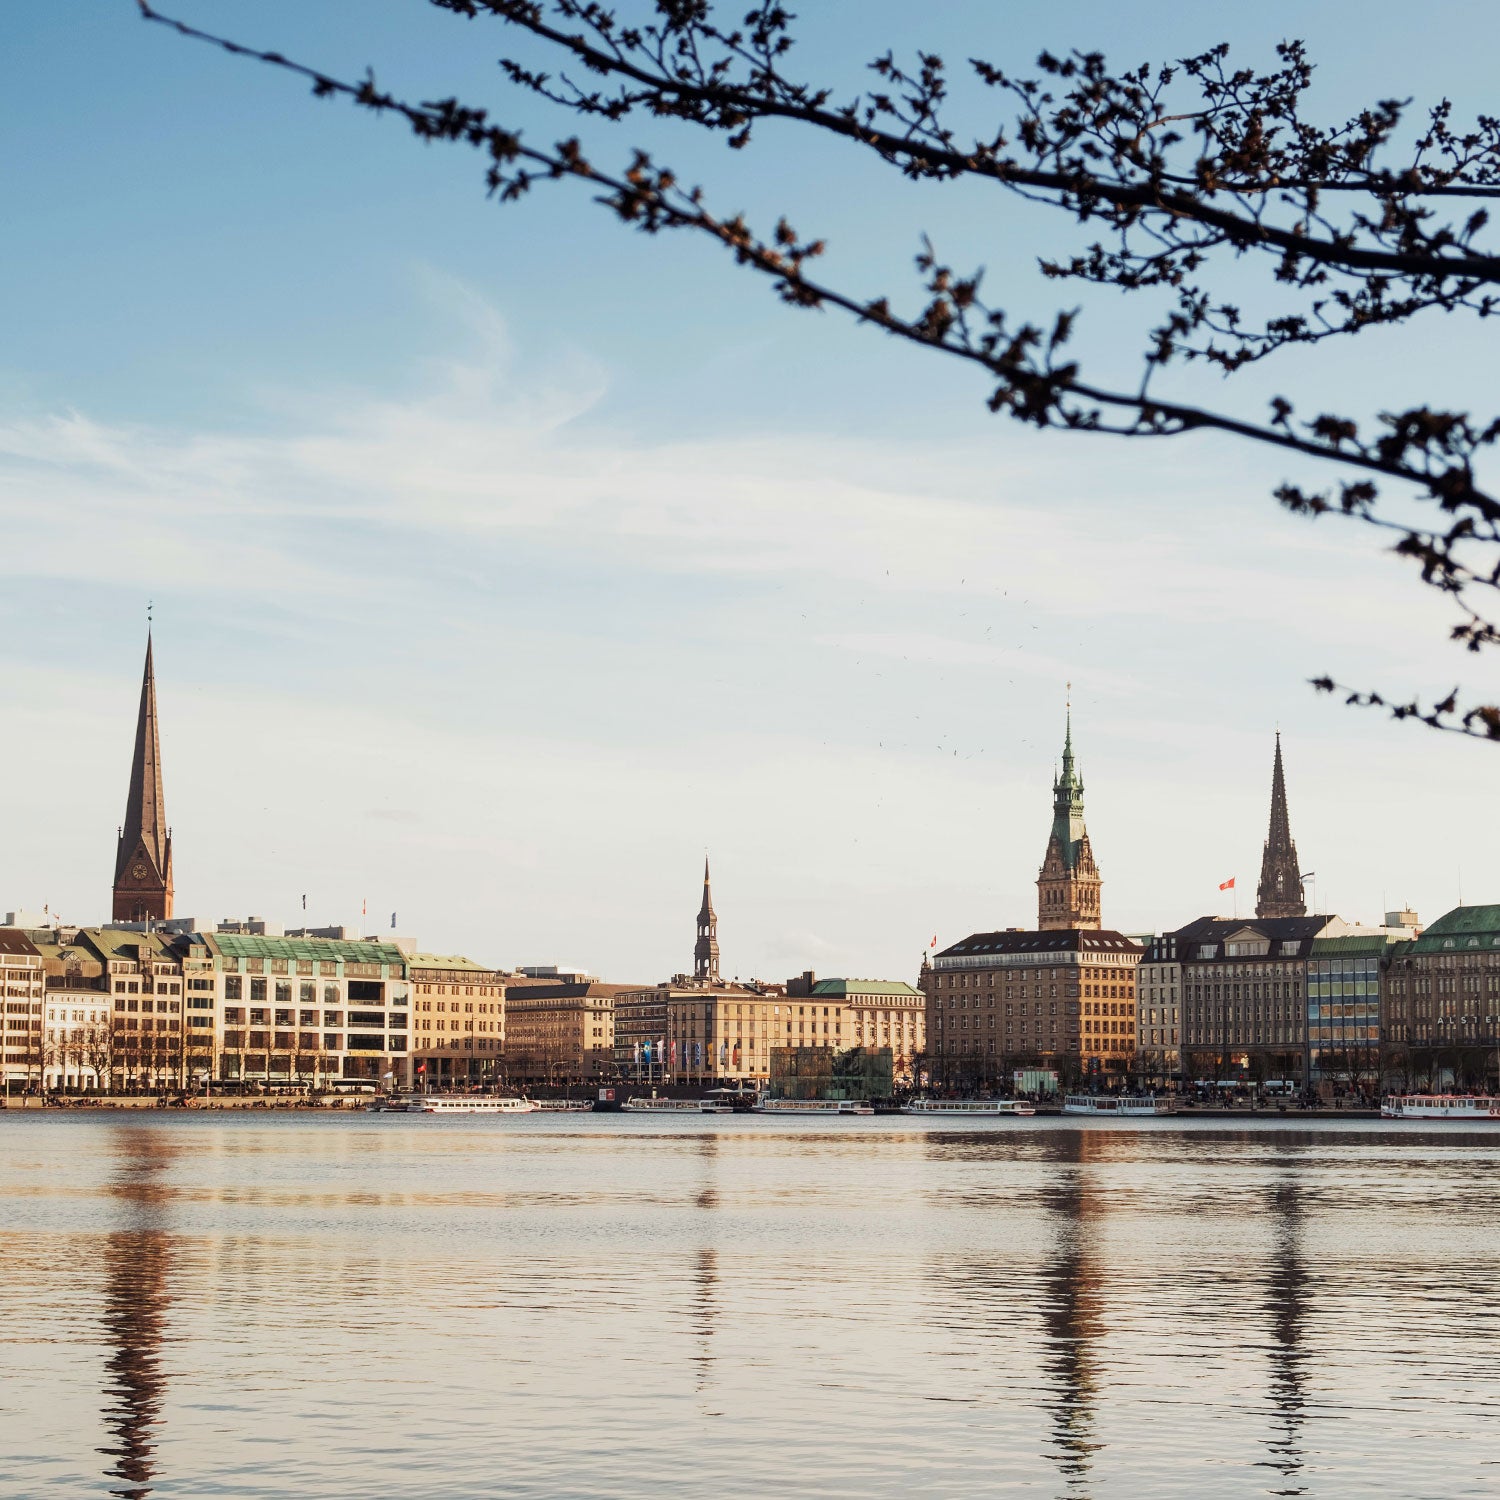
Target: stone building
559	1031
458	1020
24	985
145	980
998	1001
1061	997
1068	886
78	1040
1158	1010
876	1013
143	851
1440	1002
1244	1000
307	1011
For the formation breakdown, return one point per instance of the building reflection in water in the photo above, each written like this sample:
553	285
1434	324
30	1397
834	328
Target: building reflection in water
137	1262
705	1275
1286	1308
1071	1283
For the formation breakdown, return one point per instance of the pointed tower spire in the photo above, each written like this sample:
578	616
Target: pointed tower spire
706	949
143	856
1280	893
1068	886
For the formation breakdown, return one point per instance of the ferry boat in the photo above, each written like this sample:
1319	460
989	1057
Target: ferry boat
728	1101
969	1107
1467	1107
662	1106
468	1104
1115	1105
814	1107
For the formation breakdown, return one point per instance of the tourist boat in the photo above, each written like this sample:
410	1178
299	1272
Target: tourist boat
662	1106
1469	1107
728	1101
814	1107
468	1104
1116	1105
969	1107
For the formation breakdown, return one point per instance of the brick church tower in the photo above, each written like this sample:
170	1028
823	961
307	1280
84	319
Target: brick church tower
1068	886
1280	892
143	857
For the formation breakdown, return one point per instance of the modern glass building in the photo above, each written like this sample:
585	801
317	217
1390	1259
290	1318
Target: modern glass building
1343	1008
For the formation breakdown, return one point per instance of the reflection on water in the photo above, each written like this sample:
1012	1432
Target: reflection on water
1286	1293
548	1307
137	1260
1070	1289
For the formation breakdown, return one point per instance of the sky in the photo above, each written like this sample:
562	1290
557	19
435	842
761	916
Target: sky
505	562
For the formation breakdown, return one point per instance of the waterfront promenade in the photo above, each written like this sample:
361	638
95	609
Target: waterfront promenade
256	1304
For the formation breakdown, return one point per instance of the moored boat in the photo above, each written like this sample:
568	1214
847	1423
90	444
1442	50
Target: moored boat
970	1107
1458	1107
814	1107
1114	1106
640	1104
468	1104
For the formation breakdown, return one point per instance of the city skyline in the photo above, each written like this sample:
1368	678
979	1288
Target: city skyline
146	828
495	596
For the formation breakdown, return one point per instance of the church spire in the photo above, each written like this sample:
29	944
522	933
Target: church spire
1280	893
143	856
706	949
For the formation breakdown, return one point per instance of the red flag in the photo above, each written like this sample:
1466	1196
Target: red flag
1227	885
933	943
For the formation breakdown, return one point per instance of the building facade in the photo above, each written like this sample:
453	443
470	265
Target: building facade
1158	1011
999	1001
1440	1002
559	1032
1343	1012
1244	995
876	1013
458	1020
24	986
308	1011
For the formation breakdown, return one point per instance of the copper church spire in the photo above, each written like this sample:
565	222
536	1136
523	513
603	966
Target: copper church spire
143	857
706	950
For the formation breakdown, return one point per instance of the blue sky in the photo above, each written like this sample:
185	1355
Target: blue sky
505	560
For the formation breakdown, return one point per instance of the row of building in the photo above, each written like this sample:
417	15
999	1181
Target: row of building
151	1000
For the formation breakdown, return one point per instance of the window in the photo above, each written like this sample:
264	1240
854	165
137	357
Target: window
232	985
258	989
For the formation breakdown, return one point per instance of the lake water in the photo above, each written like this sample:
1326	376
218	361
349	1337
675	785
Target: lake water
649	1307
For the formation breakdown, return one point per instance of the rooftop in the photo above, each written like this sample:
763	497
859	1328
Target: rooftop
241	945
842	987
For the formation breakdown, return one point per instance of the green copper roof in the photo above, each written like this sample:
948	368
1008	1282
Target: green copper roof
1464	928
1465	919
840	988
1067	803
447	961
241	945
1349	947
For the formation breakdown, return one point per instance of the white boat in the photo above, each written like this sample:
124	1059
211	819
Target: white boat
1114	1106
1469	1107
468	1104
814	1107
969	1107
663	1106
